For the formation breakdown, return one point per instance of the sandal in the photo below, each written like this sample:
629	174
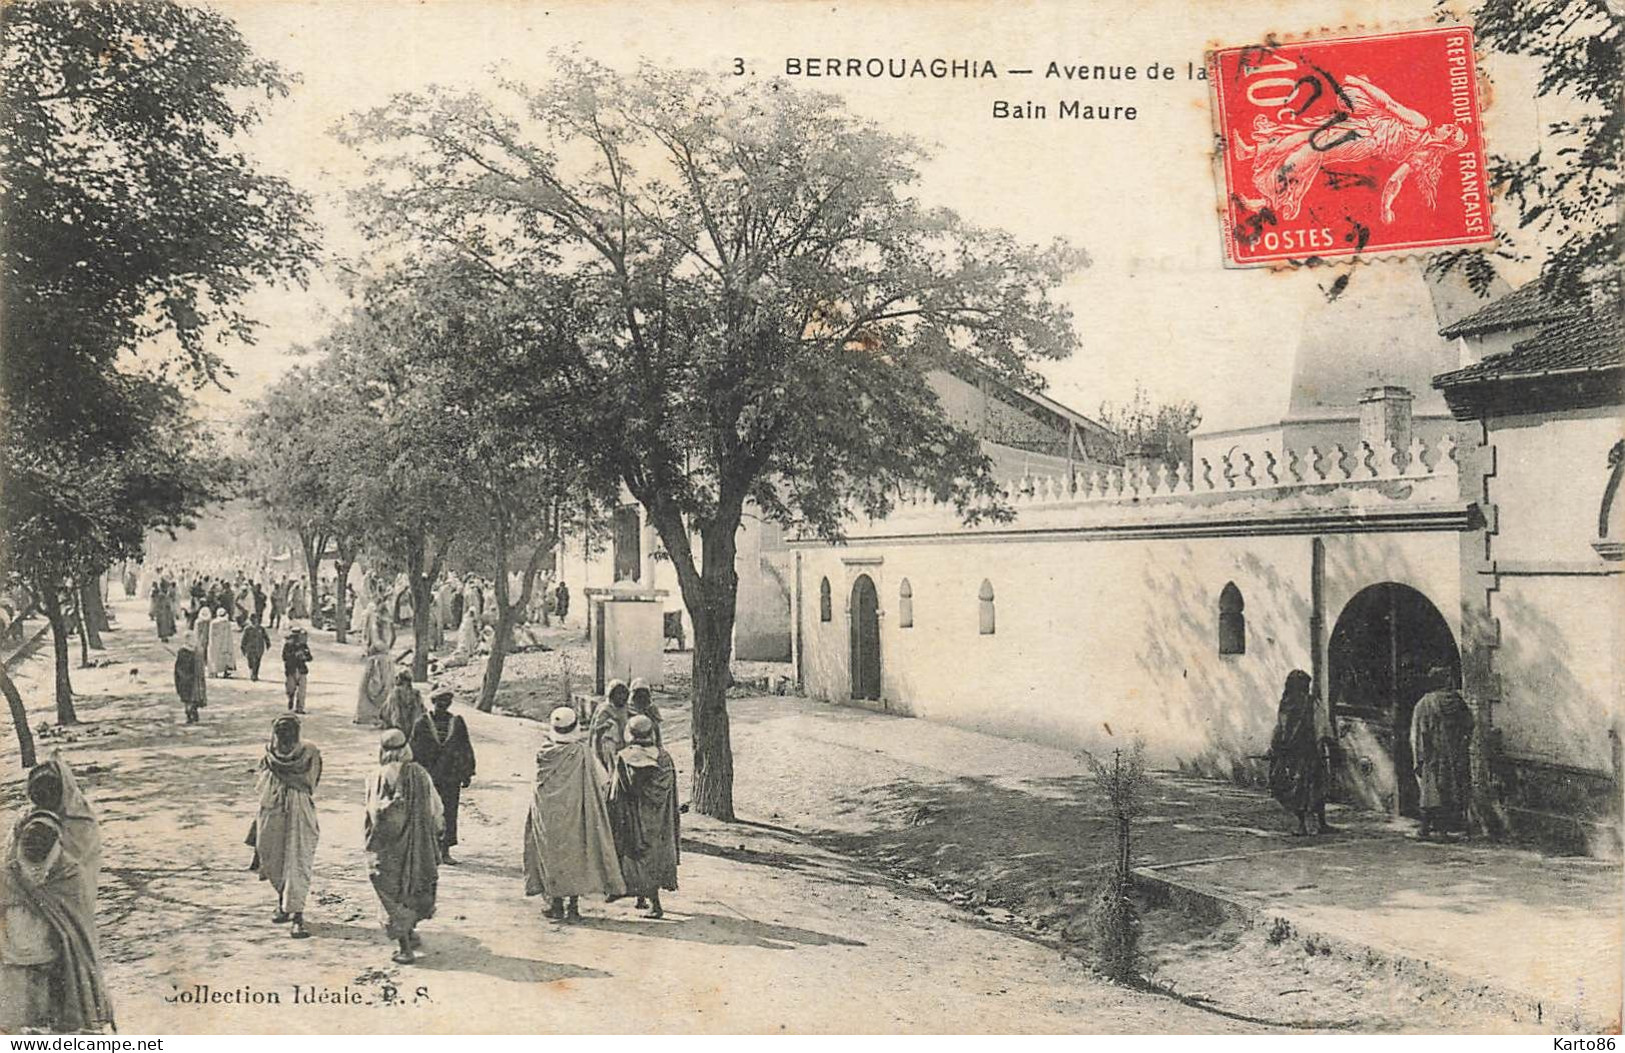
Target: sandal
281	917
402	958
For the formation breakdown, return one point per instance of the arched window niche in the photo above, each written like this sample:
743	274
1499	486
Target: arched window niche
826	610
905	605
984	601
1232	620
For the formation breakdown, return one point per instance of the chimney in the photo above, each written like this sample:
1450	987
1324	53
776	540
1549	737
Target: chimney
1385	416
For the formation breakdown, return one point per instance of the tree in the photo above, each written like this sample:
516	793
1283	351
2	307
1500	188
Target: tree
494	362
1160	431
400	480
71	511
129	220
760	278
302	439
1568	191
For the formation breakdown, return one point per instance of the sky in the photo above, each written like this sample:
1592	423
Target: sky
1155	306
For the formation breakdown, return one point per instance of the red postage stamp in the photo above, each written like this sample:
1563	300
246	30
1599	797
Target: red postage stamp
1350	147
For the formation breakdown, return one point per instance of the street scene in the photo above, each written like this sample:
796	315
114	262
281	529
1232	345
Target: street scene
540	535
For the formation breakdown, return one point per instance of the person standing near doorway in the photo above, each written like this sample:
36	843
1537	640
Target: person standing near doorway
1441	727
1298	777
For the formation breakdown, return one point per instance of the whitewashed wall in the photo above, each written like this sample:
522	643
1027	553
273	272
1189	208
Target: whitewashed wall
1099	640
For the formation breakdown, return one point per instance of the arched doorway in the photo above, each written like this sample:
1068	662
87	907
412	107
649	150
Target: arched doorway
1383	645
863	624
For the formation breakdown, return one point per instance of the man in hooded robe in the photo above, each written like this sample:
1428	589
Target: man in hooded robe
403	707
53	788
191	685
642	704
468	634
50	967
569	842
608	730
643	807
402	828
222	644
440	743
445	603
361	609
286	831
205	615
377	677
297	607
163	611
1297	769
1441	728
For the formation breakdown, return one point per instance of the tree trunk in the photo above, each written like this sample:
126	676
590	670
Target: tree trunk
422	611
314	547
501	642
51	600
713	789
79	627
19	719
96	609
90	600
341	614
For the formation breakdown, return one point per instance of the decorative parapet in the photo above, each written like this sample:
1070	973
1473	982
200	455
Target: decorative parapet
1340	489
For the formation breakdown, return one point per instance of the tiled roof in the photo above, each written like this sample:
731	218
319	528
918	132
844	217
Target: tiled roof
1527	305
1586	344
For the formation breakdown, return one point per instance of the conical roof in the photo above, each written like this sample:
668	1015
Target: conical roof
1382	330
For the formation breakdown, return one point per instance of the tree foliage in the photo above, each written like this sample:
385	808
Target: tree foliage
762	295
1160	431
131	228
1567	193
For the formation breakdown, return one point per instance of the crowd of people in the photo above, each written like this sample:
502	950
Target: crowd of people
603	818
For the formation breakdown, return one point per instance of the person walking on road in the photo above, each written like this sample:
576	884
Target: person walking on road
286	832
440	743
296	668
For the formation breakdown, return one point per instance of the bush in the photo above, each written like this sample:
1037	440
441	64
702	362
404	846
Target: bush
1116	924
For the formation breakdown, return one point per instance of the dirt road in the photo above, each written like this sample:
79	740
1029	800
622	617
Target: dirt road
768	932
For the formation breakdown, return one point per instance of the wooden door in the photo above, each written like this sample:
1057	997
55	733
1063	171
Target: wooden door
864	628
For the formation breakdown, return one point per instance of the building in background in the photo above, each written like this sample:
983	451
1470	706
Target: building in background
1356	536
1024	433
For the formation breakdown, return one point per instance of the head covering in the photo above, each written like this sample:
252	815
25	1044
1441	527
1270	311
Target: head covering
220	612
284	721
640	731
609	691
35	820
440	693
639	684
297	630
564	725
392	747
45	773
1441	677
404	676
74	804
